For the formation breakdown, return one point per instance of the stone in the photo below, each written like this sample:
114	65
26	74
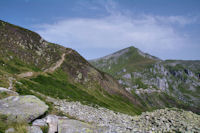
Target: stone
40	122
105	120
34	129
127	76
10	130
74	126
80	76
52	121
22	108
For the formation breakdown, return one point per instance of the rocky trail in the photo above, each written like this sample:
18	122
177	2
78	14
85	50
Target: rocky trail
58	64
49	70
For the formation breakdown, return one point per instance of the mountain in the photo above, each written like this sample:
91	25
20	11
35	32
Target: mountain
157	83
29	63
45	87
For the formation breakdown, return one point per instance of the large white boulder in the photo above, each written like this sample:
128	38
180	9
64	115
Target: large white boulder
22	108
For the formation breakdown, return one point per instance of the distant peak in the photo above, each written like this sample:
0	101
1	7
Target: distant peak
130	49
146	55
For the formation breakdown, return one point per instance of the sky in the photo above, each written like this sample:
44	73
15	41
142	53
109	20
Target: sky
168	29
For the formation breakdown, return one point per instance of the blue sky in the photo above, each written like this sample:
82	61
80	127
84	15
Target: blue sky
168	29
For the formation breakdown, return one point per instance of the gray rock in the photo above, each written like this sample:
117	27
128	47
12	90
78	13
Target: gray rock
34	129
22	108
52	121
10	130
163	120
75	126
127	76
40	122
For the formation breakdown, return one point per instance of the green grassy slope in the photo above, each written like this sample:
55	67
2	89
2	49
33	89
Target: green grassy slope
57	85
22	51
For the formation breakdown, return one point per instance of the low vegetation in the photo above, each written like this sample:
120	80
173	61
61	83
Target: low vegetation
57	85
6	124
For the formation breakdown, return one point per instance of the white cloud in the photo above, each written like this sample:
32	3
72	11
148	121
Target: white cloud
146	32
176	20
157	35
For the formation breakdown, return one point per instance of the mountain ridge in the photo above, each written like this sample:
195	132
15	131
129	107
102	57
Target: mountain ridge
152	77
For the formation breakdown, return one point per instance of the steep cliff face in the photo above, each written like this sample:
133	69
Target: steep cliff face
29	63
157	83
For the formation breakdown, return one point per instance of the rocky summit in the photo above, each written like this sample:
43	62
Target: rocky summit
47	88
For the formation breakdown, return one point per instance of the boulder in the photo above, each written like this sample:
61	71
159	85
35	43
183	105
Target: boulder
75	126
52	121
22	108
34	129
40	122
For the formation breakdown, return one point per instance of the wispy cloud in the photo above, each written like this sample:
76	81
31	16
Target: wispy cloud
154	34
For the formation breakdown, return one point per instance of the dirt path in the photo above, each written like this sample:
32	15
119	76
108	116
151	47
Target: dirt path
57	65
49	70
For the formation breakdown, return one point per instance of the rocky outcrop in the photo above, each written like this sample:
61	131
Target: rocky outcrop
164	120
22	108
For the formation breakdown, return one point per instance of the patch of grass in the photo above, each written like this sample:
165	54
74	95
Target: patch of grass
3	95
3	125
15	66
20	128
56	88
6	124
45	129
57	85
140	83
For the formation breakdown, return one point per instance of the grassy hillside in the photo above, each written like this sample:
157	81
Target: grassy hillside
57	85
23	51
